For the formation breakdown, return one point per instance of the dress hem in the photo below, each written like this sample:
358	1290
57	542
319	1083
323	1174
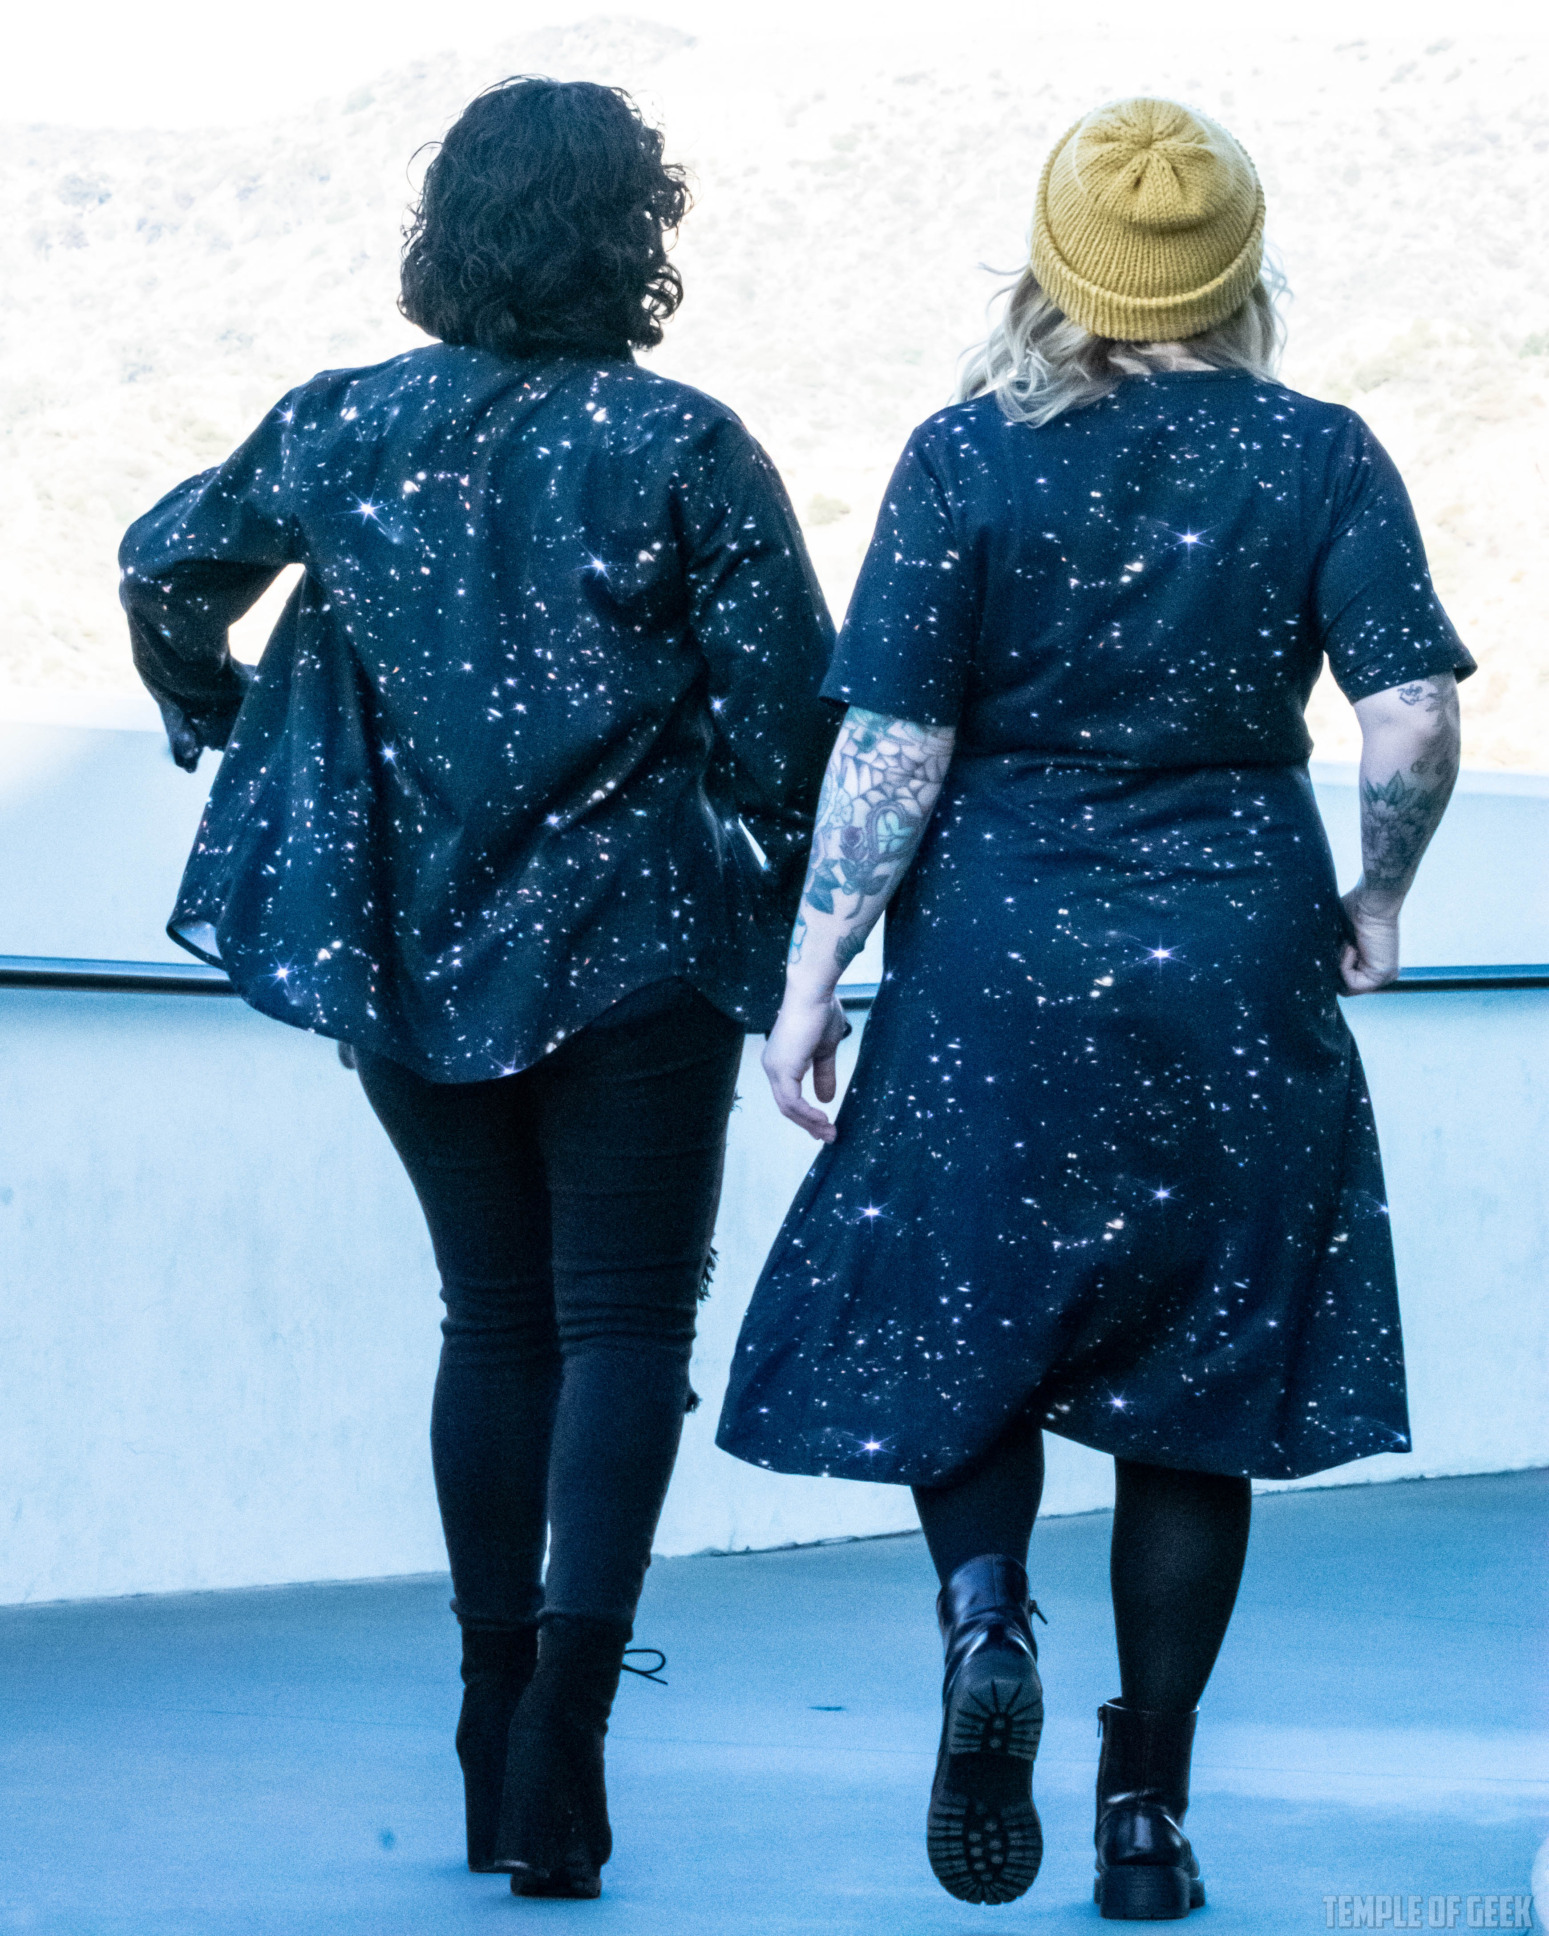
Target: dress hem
1373	1443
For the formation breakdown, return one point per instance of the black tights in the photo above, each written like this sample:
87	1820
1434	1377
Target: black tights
571	1208
1179	1541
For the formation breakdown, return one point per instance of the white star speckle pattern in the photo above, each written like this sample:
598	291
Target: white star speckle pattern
1105	1091
557	639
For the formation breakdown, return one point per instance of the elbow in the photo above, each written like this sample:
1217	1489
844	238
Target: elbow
1421	714
1435	736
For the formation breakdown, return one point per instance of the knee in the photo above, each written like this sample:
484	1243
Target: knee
664	1326
652	1361
1173	1486
497	1321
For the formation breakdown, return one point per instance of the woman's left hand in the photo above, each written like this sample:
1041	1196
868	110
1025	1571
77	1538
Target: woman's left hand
806	1035
1372	962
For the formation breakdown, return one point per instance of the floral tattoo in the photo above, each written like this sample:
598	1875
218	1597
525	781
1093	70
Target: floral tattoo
1399	814
882	781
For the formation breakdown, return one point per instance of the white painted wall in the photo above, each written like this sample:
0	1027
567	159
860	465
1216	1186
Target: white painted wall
217	1328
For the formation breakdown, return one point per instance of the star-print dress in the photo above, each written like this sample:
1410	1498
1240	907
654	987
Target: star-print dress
1108	1154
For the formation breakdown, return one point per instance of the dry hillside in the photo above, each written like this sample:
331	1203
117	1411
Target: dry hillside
163	289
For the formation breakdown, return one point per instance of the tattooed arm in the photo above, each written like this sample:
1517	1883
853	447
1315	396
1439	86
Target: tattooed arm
1409	763
882	781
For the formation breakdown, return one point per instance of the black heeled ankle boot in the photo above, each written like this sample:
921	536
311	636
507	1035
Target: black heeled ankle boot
554	1834
983	1835
1146	1871
496	1670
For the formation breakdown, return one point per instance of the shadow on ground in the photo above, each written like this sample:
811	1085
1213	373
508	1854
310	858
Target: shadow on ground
281	1760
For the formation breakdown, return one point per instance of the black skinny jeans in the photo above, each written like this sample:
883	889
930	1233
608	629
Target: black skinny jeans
571	1207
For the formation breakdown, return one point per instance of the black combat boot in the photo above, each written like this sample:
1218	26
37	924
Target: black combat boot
983	1834
496	1670
554	1835
1146	1871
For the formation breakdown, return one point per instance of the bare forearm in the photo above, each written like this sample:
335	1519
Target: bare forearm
881	785
1409	765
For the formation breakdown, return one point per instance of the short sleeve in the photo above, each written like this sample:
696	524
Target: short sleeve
1379	618
907	643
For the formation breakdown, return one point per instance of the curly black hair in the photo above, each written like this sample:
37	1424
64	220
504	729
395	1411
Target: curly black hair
542	224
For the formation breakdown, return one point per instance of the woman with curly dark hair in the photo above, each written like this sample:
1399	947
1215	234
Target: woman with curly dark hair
515	806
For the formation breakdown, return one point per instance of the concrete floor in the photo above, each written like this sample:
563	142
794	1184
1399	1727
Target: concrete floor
281	1760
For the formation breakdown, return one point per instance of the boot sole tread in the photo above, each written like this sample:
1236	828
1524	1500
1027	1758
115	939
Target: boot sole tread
983	1835
999	1711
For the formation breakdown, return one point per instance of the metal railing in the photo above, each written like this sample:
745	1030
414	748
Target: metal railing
194	978
113	977
859	996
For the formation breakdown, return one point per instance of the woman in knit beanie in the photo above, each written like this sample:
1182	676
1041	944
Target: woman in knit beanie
1107	1165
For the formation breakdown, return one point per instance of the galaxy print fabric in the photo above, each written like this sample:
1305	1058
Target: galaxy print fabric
538	727
1153	579
1108	1153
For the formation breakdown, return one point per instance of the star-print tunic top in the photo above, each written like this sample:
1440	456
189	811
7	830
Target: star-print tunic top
1108	1156
538	726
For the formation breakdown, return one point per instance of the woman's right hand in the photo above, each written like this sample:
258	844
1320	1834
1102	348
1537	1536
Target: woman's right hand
1371	962
183	741
806	1035
186	737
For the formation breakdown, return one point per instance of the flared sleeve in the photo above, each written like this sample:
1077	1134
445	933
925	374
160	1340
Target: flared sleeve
195	563
758	616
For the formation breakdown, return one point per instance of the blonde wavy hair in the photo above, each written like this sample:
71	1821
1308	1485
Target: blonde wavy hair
1038	363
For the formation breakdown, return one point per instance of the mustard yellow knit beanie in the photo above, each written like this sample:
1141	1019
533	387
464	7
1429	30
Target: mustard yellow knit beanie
1149	224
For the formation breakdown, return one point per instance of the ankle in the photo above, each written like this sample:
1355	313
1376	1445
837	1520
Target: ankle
499	1653
580	1662
986	1580
581	1637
